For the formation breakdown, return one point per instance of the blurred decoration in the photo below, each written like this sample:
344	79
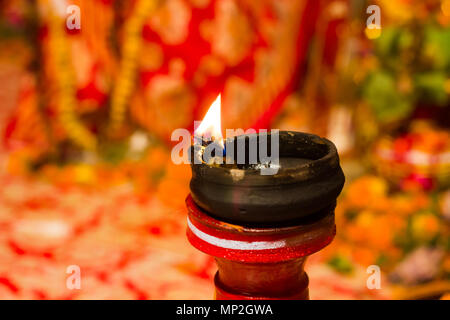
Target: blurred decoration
88	115
417	159
156	65
410	66
396	230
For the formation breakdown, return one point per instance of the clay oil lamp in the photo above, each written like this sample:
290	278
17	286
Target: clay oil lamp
262	214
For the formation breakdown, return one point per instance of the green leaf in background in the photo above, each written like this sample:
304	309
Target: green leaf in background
437	47
387	48
382	260
341	264
113	151
386	44
430	86
381	93
405	39
392	45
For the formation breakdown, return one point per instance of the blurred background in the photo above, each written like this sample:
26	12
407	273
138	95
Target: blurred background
87	115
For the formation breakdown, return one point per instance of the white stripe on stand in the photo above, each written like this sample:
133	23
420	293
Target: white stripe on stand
235	244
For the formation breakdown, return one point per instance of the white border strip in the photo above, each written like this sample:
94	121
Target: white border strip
235	244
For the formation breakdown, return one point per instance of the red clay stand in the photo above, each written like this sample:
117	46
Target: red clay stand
258	263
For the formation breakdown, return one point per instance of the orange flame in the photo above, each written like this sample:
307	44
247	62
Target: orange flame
211	127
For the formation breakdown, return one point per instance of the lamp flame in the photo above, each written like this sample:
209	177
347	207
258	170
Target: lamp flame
211	127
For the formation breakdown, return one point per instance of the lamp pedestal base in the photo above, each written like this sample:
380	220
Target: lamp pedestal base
258	263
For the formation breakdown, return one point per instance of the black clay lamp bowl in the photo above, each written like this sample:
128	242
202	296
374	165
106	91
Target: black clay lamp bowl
305	187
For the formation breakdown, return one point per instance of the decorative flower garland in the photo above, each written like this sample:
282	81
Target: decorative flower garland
127	72
65	85
125	82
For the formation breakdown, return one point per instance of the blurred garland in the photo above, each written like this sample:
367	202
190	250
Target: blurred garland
124	84
128	66
65	85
